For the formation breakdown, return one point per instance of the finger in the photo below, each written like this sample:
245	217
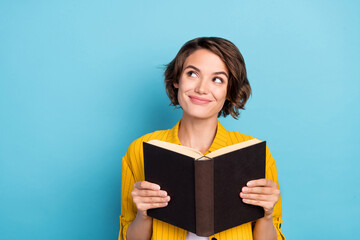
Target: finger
266	205
261	190
147	206
154	199
149	193
263	182
146	185
260	197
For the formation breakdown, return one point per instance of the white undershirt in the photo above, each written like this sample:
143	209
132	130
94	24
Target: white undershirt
193	236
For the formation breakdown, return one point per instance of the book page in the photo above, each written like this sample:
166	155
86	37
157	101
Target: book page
177	148
232	148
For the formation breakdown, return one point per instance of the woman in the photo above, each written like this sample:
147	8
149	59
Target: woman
207	79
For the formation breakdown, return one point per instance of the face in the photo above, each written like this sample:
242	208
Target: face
203	85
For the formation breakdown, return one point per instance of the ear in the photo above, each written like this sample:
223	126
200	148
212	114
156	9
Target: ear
176	85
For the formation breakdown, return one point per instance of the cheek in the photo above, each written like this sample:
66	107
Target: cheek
180	93
220	94
185	86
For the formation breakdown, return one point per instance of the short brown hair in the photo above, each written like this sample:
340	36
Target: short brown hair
238	91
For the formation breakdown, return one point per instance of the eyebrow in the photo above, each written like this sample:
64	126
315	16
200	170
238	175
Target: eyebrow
217	73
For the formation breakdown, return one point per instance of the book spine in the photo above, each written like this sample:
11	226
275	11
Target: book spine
204	197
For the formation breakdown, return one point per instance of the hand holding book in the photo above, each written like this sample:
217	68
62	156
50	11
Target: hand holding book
261	192
147	195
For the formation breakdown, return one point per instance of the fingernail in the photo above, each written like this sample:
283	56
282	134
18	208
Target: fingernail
156	187
249	184
245	189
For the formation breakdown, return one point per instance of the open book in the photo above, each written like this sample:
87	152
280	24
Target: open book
204	190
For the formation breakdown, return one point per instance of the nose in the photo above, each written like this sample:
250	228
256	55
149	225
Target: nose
202	86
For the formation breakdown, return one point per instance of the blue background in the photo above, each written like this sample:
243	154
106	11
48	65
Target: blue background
80	80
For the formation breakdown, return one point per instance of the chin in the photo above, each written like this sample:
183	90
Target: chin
201	115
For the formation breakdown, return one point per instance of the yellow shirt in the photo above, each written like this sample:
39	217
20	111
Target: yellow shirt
133	171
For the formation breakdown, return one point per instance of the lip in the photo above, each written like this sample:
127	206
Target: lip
199	100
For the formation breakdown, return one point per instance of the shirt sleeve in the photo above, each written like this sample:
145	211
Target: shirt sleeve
128	208
272	175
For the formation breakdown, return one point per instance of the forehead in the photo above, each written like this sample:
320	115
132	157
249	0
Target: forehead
206	61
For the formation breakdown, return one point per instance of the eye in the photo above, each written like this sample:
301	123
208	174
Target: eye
218	80
191	74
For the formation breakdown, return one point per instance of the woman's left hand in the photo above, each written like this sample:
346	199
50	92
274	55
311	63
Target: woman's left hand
261	192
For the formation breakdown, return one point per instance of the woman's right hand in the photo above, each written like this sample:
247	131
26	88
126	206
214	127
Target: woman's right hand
147	195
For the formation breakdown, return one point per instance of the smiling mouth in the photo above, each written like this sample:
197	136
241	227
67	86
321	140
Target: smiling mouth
199	100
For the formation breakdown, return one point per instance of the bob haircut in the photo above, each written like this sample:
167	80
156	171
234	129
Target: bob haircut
238	90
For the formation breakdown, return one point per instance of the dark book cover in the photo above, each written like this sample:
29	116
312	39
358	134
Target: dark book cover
205	191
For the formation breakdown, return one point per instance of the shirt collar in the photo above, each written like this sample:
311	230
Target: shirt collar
220	139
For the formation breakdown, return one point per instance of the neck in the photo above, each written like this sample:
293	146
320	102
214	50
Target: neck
197	133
